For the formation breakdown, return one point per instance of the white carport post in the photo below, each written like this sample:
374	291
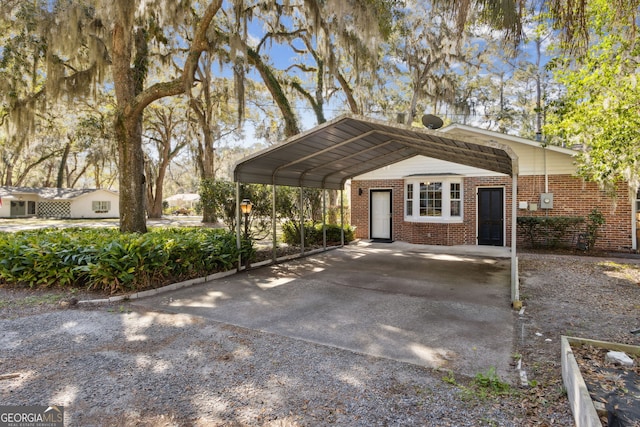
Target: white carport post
515	286
324	219
341	217
274	255
301	220
238	237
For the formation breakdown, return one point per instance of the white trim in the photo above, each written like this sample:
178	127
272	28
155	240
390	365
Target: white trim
513	138
504	213
446	181
370	209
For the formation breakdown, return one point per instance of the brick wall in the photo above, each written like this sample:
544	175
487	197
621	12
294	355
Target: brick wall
572	197
575	197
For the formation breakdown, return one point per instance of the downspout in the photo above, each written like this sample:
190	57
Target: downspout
634	221
515	285
546	174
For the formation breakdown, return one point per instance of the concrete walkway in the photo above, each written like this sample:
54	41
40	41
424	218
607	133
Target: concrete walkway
440	307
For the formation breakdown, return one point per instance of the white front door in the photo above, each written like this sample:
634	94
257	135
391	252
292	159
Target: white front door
381	214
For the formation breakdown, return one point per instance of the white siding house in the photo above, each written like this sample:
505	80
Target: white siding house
533	159
21	202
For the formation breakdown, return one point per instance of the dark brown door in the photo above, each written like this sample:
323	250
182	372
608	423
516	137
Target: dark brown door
491	216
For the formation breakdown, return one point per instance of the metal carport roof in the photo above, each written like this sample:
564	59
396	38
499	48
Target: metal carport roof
330	154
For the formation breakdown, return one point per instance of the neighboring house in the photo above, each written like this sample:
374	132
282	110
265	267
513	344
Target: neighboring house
427	201
20	202
183	200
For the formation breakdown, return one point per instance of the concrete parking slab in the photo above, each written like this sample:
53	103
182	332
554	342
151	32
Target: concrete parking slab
404	302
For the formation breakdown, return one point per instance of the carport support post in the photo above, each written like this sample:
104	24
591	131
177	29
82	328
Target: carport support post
302	220
274	255
238	237
515	286
341	217
324	219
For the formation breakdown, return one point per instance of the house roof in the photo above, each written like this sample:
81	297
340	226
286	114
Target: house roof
330	154
459	129
47	192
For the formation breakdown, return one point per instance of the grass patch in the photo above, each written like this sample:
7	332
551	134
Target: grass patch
484	386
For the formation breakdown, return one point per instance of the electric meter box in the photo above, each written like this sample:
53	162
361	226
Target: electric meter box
546	201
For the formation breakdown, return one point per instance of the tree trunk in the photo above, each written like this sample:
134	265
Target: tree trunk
128	131
277	92
98	171
8	174
155	201
132	100
63	164
203	108
132	179
208	173
348	91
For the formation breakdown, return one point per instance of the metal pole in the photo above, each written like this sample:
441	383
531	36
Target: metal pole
341	218
274	255
324	219
238	237
515	287
302	220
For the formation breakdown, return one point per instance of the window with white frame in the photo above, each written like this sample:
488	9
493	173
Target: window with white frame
409	200
437	199
455	201
431	199
100	206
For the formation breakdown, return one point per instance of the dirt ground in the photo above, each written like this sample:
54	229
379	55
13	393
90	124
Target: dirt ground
596	297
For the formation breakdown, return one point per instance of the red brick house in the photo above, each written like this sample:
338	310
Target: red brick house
429	201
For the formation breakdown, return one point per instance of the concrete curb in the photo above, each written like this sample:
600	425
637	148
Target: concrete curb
198	280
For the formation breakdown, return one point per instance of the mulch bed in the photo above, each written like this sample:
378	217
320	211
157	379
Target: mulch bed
617	387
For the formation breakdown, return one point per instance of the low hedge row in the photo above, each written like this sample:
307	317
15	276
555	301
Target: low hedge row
313	234
114	262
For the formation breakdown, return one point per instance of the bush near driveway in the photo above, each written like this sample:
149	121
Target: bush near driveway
313	235
114	262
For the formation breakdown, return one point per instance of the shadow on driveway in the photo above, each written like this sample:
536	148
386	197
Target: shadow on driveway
406	303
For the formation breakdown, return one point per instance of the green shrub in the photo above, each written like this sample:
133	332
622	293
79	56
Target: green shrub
551	231
110	261
595	220
313	235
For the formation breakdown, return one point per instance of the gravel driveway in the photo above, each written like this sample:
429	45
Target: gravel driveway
112	366
118	365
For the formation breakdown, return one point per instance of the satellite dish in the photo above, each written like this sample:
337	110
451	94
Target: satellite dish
432	122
